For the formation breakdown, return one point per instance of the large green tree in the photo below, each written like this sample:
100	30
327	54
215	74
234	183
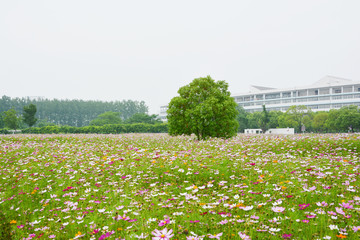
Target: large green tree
204	108
11	120
107	118
29	115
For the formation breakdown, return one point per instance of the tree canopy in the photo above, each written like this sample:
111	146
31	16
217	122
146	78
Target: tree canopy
143	118
107	118
11	120
204	108
29	115
72	112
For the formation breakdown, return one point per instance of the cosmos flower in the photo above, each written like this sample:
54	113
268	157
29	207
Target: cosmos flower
162	235
278	209
217	236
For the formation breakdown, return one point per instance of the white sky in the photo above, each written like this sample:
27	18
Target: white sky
146	50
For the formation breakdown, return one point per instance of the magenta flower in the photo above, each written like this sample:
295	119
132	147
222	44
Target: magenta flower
303	206
217	236
164	222
108	234
286	236
305	221
162	235
346	205
311	216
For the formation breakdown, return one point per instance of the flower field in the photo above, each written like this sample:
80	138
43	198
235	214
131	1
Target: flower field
153	186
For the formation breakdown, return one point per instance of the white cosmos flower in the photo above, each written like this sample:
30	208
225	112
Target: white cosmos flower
274	229
101	210
248	208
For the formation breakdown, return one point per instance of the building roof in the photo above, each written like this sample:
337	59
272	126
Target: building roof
327	81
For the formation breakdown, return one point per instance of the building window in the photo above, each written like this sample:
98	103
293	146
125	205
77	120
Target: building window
286	94
324	91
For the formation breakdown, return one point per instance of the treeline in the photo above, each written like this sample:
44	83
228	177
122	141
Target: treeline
105	129
345	119
77	113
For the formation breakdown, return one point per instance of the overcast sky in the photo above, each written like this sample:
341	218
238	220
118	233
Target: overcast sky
146	50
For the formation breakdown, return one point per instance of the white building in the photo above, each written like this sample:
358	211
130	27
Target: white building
325	94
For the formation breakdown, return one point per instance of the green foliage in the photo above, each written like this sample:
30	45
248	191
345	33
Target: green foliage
105	129
107	118
297	116
73	112
344	119
29	115
2	123
204	108
11	120
319	121
143	118
5	228
264	120
242	118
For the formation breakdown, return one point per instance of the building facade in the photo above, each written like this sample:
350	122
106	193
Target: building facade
325	94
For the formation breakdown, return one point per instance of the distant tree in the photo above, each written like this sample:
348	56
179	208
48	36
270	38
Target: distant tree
204	108
348	118
297	116
242	118
11	120
264	120
2	123
274	118
319	121
143	118
43	123
107	118
29	115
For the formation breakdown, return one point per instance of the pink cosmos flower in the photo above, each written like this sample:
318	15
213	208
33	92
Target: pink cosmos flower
162	235
346	205
192	238
123	217
311	216
217	236
322	204
340	211
224	222
355	229
332	213
244	236
305	221
164	222
278	209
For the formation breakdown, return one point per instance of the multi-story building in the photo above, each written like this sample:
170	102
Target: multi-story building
325	94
